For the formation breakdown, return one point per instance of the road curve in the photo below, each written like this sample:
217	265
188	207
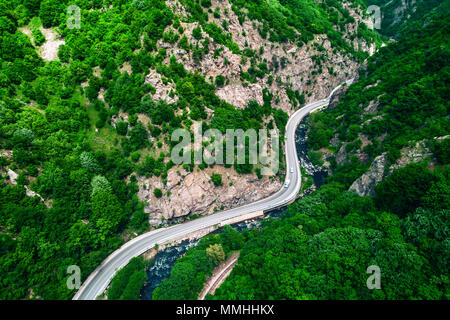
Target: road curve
99	279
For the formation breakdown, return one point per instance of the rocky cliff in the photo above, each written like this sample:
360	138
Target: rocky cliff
313	69
380	167
188	193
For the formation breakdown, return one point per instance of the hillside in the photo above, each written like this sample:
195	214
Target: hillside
87	115
396	113
384	142
397	116
402	16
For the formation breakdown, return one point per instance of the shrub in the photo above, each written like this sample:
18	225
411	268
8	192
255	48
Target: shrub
100	123
127	283
122	128
135	156
402	191
38	37
215	253
220	80
197	33
217	179
157	192
206	3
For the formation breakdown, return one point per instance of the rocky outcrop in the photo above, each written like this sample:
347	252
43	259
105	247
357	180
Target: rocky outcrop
49	50
362	156
239	96
417	153
30	193
12	177
336	97
401	10
365	185
295	73
313	69
162	91
341	155
194	193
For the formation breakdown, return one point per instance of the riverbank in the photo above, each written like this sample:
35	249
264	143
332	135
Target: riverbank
165	259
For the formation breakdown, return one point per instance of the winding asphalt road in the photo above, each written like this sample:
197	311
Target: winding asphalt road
99	279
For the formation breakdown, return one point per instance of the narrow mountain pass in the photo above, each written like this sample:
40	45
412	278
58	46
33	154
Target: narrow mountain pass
98	281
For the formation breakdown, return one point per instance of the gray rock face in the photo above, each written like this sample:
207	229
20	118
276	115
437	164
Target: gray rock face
341	155
365	185
336	97
417	153
194	192
295	73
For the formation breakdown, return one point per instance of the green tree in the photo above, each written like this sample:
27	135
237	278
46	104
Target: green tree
217	179
215	253
107	213
220	81
100	183
128	281
403	190
64	53
157	192
197	33
89	162
184	43
49	12
138	136
122	128
38	37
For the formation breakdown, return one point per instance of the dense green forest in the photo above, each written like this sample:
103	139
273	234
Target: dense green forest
128	281
190	272
74	200
407	82
399	17
323	244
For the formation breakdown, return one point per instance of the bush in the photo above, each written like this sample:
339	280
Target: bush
135	156
206	3
100	123
128	282
258	173
441	151
183	43
220	80
215	253
122	128
217	179
38	37
100	183
197	33
49	12
157	192
402	191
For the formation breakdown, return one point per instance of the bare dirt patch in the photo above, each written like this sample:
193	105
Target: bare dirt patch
49	50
